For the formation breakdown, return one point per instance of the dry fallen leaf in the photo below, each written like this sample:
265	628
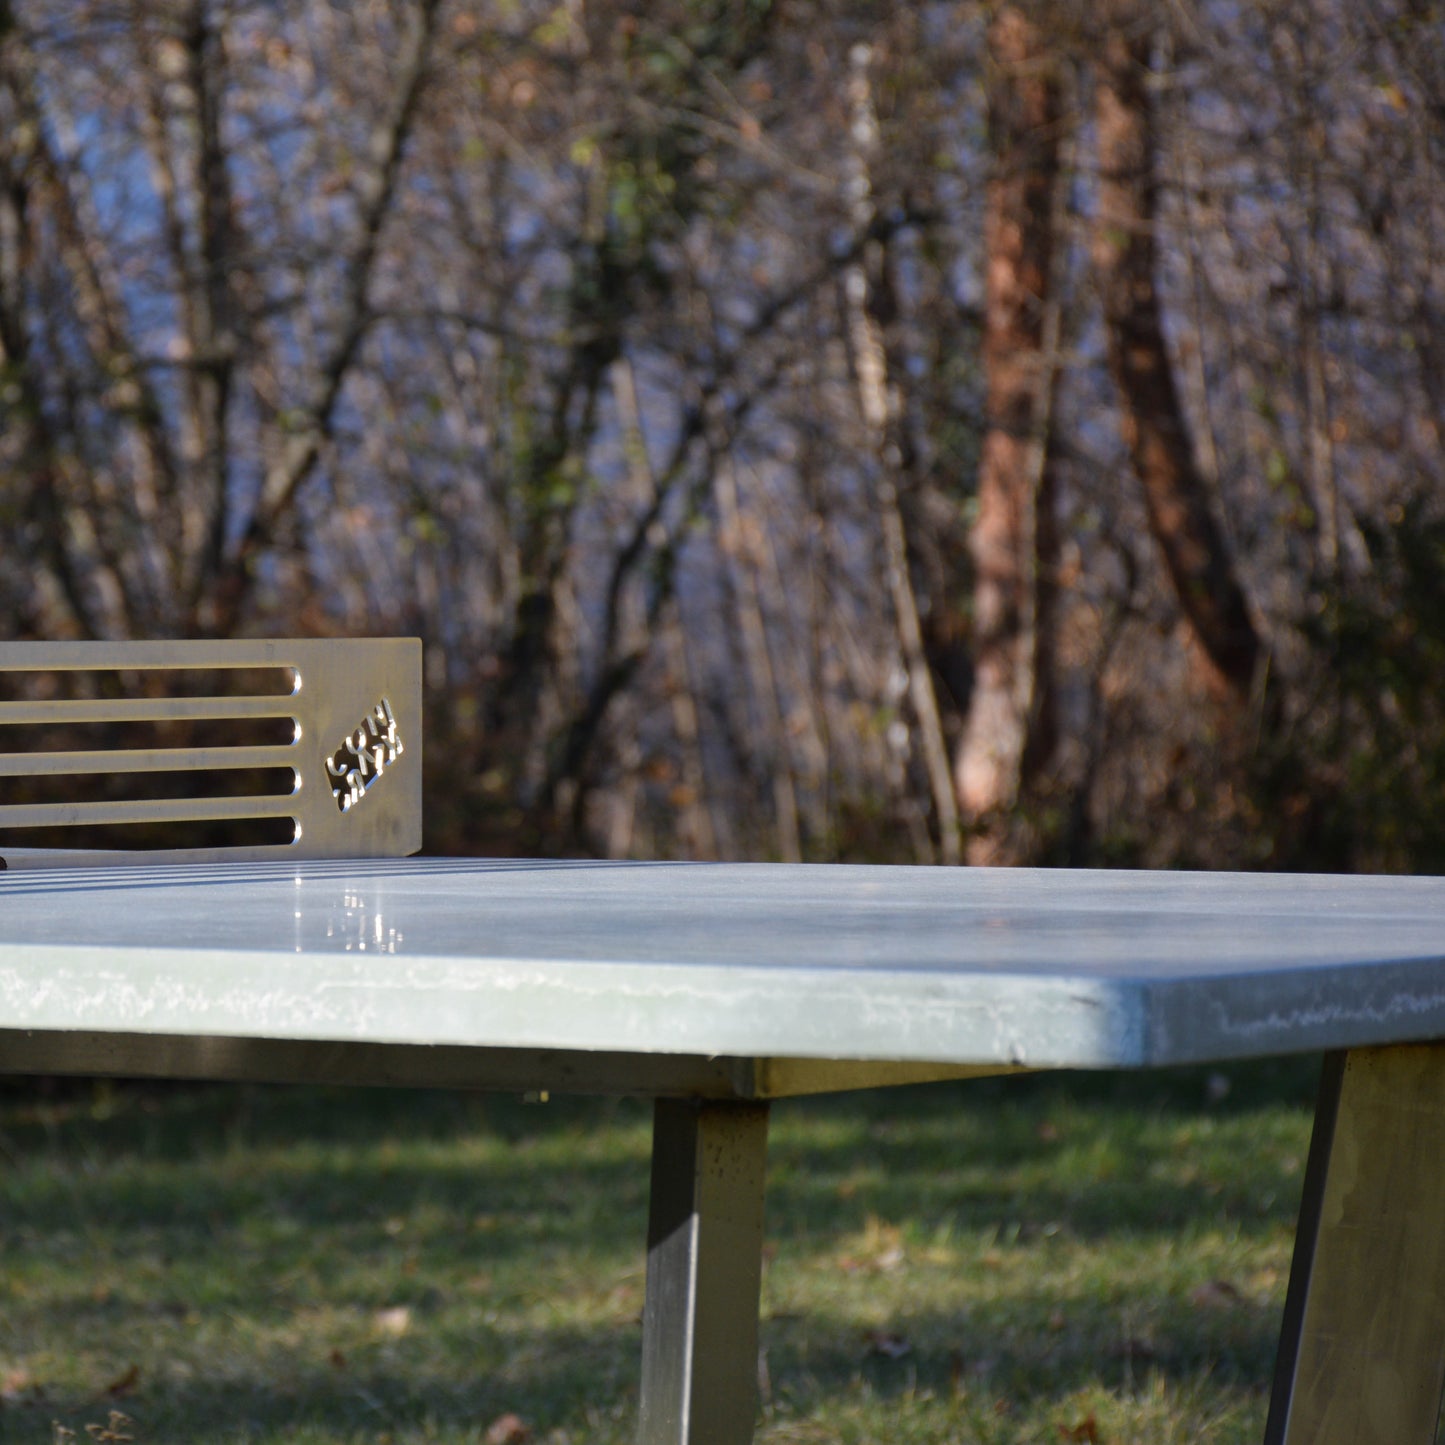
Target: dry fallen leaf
18	1383
395	1321
114	1431
124	1384
888	1343
1135	1349
1216	1294
508	1429
956	1366
879	1248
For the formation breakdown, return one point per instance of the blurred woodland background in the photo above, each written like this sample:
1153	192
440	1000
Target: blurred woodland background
797	428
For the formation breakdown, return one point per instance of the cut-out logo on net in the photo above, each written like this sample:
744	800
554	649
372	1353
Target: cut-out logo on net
364	756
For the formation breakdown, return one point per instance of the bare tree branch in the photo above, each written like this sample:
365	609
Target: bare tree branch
310	425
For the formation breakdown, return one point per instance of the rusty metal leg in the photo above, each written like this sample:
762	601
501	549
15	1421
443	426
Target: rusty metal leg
704	1268
1362	1350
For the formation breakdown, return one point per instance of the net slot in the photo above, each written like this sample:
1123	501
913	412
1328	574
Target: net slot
155	760
146	709
158	810
65	856
146	681
229	656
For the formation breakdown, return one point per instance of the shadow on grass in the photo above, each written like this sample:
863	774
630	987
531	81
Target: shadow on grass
1104	1168
1047	1345
141	1208
583	1381
577	1381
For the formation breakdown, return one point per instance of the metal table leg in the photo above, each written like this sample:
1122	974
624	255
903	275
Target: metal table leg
1362	1351
704	1267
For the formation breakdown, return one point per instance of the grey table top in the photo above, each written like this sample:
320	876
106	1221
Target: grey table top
989	967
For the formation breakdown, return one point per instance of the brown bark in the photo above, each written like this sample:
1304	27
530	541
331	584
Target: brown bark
757	651
866	287
1013	540
1155	430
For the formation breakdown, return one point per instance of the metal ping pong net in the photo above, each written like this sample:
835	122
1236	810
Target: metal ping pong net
209	751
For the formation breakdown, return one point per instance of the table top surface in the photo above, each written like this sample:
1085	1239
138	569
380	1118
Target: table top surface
960	966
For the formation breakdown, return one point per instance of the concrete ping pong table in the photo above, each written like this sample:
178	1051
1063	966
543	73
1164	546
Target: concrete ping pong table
713	989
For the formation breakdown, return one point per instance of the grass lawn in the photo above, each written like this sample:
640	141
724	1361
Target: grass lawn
1027	1260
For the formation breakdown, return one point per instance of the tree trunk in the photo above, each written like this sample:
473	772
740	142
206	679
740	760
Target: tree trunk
864	286
1014	542
1156	433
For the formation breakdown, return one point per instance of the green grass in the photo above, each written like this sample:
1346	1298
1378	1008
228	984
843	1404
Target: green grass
1002	1262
